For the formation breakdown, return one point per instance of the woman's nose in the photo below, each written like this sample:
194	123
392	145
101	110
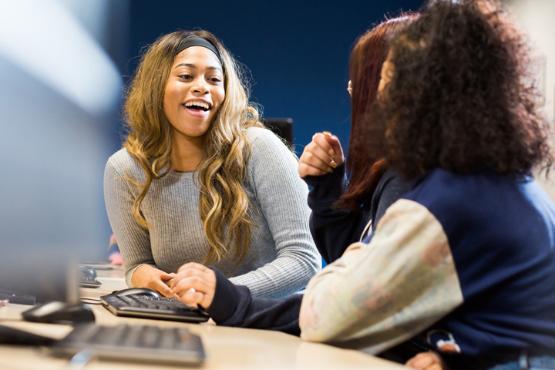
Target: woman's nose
200	87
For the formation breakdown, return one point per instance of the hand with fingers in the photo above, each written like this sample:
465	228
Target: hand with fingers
426	361
194	285
148	276
321	156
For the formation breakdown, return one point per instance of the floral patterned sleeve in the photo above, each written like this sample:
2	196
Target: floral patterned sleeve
383	293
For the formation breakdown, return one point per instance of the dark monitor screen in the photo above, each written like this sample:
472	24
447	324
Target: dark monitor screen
282	127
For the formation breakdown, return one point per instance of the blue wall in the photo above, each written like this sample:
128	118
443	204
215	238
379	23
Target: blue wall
297	51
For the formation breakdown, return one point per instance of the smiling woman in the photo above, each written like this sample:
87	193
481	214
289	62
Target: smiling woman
200	180
194	93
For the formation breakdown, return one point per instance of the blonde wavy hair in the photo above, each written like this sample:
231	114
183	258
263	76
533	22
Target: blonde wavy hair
225	209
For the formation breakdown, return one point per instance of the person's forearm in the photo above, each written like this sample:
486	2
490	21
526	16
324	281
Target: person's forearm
332	228
287	274
388	291
326	189
234	306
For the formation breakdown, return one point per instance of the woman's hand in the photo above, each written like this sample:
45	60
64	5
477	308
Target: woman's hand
194	285
426	361
321	155
147	276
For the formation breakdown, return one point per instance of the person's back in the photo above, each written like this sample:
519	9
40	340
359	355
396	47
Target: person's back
501	234
467	260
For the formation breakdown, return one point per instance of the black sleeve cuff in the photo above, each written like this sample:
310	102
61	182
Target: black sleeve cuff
325	189
226	298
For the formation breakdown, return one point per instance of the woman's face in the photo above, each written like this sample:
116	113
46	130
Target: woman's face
194	92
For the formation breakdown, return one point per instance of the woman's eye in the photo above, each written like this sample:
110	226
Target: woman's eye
186	77
215	80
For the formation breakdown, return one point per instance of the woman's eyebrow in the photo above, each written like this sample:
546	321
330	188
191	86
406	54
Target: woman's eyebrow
190	65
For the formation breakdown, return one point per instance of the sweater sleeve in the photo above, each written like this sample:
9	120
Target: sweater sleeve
234	306
333	229
133	240
281	197
383	293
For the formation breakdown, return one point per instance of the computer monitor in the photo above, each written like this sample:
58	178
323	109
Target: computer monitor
59	93
283	127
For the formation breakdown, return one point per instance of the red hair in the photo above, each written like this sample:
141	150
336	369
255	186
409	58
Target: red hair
365	160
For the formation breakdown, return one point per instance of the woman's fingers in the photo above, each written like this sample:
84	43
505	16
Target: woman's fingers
191	297
307	170
320	139
150	277
161	287
163	283
425	361
319	156
309	158
164	276
321	147
192	266
195	284
335	145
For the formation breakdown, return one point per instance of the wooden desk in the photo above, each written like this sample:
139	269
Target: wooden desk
226	348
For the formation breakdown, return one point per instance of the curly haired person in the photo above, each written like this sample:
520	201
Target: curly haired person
464	263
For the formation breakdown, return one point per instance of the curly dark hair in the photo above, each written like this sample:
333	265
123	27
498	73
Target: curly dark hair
365	160
460	97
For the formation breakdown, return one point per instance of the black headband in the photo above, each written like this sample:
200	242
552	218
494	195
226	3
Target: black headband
197	41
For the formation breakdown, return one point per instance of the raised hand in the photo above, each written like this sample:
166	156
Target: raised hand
321	156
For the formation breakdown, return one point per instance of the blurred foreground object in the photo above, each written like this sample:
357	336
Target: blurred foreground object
59	91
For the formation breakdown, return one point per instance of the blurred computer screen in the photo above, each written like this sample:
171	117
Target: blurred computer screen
59	93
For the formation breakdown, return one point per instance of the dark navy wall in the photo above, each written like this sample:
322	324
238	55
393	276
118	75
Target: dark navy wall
297	51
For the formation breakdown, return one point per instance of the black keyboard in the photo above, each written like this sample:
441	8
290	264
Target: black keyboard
142	343
151	305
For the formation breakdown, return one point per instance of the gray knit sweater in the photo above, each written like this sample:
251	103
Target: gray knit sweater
282	256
